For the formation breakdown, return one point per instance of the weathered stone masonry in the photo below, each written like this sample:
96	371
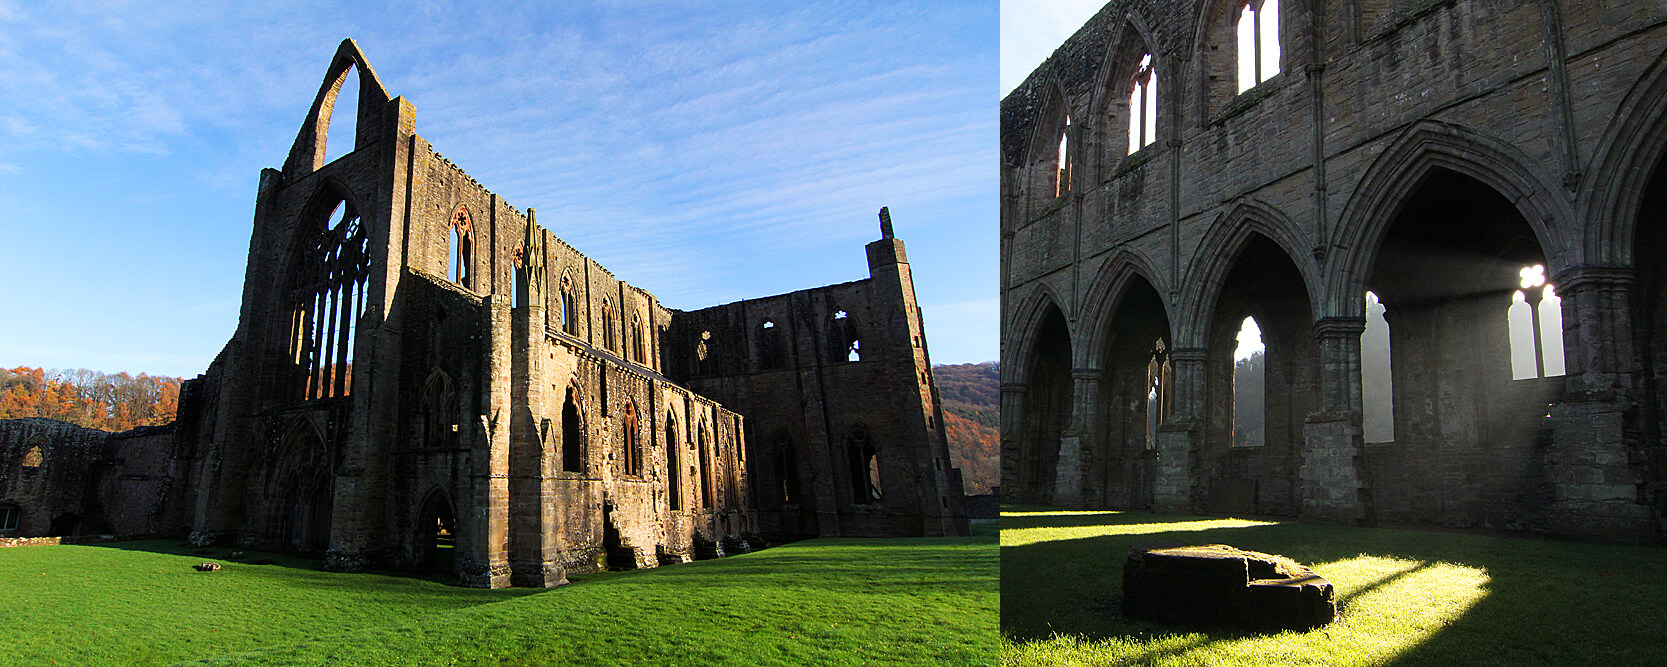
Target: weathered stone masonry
419	365
1423	150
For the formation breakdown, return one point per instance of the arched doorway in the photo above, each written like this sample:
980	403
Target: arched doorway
1262	382
1046	408
1135	396
302	495
436	544
1451	273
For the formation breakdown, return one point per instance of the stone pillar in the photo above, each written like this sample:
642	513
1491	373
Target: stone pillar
485	558
1076	442
1333	490
1181	435
1596	484
1011	421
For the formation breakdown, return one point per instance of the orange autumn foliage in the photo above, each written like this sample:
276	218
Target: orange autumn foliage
88	398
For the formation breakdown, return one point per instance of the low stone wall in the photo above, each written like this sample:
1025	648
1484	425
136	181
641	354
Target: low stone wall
47	541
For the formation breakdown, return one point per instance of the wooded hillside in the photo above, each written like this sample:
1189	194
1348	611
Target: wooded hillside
88	398
971	395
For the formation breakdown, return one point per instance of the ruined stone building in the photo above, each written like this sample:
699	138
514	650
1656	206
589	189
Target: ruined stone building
1480	184
419	363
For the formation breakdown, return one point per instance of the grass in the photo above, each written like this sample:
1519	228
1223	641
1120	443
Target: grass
1405	597
825	601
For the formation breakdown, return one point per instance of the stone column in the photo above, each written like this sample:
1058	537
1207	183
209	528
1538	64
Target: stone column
1076	442
1333	490
1011	420
1596	485
1179	437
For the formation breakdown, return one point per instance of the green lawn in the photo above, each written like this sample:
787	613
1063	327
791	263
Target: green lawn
1405	597
825	601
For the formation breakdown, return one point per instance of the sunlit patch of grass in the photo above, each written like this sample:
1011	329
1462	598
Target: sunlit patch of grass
825	601
1404	597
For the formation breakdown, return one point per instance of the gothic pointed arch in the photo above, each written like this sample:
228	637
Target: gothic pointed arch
437	417
436	539
1622	167
307	154
1110	287
300	488
1032	310
674	465
1130	64
461	258
327	285
862	457
574	454
1247	220
1404	166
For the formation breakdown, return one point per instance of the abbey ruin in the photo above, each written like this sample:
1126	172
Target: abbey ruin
419	365
1476	184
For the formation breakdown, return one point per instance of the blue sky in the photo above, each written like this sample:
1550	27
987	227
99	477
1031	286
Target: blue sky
707	155
1032	29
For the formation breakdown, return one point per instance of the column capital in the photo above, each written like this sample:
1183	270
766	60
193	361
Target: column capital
1586	276
1339	327
1189	354
1014	388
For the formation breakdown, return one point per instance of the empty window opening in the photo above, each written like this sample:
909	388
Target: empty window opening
703	353
34	458
9	515
1143	105
569	323
1159	396
630	443
1249	402
865	469
1536	327
437	533
641	336
674	477
840	315
462	248
1258	40
854	351
706	494
607	325
343	121
572	435
771	356
331	268
1376	382
1062	182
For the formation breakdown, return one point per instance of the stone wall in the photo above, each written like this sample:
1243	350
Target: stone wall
1425	154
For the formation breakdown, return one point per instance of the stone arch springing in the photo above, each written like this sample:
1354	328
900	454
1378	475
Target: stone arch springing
863	465
327	290
572	432
436	539
301	489
437	413
460	269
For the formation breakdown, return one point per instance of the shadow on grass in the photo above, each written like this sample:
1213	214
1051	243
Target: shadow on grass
1544	602
262	559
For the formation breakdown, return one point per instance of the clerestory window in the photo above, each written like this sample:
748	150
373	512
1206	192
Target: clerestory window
1258	42
1143	105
